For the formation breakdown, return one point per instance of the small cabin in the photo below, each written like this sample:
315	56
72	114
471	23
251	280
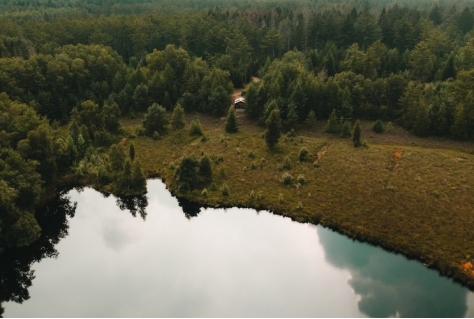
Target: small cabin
239	104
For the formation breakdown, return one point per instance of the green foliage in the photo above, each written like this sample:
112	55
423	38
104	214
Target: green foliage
389	127
303	154
377	127
311	119
286	179
287	163
156	136
332	125
204	193
155	120
356	132
292	117
195	127
186	174
205	169
140	130
301	179
346	129
225	190
177	118
231	121
272	133
116	159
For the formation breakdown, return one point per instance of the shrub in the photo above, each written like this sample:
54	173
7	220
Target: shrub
389	127
204	192
213	186
287	163
253	165
155	119
299	206
286	179
225	190
140	130
377	127
195	127
301	179
302	156
156	135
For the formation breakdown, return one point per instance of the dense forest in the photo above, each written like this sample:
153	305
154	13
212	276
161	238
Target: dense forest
70	70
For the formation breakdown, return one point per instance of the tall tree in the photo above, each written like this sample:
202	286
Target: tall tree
231	121
273	131
155	120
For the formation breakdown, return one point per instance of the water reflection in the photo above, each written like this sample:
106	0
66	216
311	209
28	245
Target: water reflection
190	209
134	204
16	275
389	285
226	263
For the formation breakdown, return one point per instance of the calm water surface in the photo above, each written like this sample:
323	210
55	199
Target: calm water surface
224	263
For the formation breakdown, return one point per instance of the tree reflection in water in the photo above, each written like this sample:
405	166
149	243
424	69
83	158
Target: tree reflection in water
390	285
134	204
190	209
16	275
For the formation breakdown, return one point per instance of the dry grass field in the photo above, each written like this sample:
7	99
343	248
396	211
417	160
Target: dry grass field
410	195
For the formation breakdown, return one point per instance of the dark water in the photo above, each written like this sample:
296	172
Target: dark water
219	263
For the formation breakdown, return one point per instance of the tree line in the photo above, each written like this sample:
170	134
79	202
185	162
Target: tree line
395	62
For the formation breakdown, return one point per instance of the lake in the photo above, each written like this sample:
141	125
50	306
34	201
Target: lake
164	262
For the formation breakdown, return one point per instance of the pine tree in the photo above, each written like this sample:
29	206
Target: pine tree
311	119
346	129
377	127
116	159
356	134
205	169
137	179
231	121
332	125
272	134
177	118
292	117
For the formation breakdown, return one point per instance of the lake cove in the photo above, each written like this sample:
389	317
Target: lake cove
162	262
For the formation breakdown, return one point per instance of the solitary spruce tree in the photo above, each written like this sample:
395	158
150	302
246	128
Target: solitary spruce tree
231	122
356	134
332	125
272	134
177	118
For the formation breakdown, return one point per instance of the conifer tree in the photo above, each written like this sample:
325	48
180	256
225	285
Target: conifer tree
356	134
332	125
137	179
272	134
231	121
205	169
346	129
292	117
177	118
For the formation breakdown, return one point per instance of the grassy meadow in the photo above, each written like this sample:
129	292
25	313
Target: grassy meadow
421	206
